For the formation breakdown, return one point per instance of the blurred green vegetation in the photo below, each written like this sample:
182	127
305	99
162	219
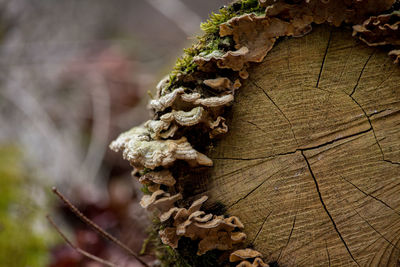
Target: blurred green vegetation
23	235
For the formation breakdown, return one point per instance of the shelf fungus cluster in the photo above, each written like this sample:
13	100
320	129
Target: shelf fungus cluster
193	102
382	30
244	256
213	232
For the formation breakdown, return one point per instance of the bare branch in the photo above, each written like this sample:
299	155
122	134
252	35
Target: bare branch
97	228
77	249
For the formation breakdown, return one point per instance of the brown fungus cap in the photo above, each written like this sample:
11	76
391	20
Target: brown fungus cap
178	99
163	177
159	201
170	122
379	30
168	236
256	263
334	12
243	254
166	100
219	84
213	232
254	37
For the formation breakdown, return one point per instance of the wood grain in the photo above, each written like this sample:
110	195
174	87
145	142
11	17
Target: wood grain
311	163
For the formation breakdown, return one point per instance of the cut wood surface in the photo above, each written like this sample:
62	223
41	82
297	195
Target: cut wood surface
311	163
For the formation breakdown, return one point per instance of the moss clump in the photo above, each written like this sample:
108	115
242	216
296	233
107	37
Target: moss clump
145	190
211	41
22	236
211	26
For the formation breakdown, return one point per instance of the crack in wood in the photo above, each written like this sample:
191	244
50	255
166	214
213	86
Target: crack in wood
323	60
238	170
300	149
326	209
290	235
254	189
255	125
384	80
373	228
391	253
373	131
273	102
361	73
379	112
327	252
369	195
262	226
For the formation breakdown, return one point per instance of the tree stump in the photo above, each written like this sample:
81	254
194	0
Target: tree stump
311	163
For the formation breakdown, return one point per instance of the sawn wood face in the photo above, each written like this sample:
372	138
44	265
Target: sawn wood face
311	162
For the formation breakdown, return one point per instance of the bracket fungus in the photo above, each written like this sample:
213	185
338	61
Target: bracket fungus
141	150
159	201
334	12
244	255
213	232
204	82
381	30
153	180
254	36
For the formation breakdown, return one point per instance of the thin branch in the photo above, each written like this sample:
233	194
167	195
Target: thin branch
97	228
77	249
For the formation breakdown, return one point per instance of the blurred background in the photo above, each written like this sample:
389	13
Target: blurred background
73	75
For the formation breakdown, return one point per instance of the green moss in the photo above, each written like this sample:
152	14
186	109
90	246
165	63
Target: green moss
145	190
211	26
211	42
22	236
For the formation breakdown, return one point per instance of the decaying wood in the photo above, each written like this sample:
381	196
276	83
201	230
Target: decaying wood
311	163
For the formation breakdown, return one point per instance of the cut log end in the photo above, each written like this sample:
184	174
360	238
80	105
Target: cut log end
311	163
